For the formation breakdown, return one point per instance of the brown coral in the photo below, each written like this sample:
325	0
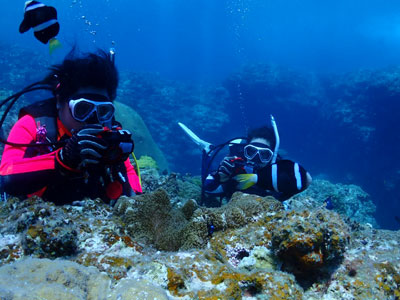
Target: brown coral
151	218
308	244
241	210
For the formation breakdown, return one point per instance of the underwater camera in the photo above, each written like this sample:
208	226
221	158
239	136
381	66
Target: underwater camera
120	146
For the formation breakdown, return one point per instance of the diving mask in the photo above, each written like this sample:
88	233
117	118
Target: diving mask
264	154
82	109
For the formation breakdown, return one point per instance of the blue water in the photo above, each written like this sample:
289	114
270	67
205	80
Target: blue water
203	42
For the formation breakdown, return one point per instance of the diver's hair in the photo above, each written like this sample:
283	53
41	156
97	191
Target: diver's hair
263	132
90	70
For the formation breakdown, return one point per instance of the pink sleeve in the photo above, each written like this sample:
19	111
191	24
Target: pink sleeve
13	160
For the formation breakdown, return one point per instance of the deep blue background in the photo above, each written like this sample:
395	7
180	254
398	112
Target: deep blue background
203	41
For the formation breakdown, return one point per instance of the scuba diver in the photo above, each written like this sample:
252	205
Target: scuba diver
70	146
253	166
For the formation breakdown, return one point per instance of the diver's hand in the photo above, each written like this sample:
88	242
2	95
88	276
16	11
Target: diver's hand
229	167
84	149
284	176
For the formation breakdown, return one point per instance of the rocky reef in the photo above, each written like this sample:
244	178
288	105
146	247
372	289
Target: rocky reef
157	246
347	199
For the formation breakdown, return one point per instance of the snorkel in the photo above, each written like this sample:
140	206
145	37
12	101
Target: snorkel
273	123
112	55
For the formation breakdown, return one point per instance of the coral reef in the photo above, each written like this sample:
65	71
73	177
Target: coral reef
179	188
256	250
45	231
310	243
47	279
146	161
50	241
347	199
150	218
241	210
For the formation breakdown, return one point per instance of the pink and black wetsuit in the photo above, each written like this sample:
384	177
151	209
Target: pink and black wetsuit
28	171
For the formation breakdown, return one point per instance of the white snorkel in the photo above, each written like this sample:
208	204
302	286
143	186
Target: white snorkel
112	55
273	123
202	144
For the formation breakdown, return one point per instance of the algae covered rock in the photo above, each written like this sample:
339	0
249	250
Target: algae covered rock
347	199
45	230
50	240
151	218
131	289
241	210
310	243
46	279
262	259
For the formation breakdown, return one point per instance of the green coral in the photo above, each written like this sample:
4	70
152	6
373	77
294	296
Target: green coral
147	162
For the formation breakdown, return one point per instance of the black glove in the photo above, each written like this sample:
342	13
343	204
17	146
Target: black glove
84	149
285	176
229	167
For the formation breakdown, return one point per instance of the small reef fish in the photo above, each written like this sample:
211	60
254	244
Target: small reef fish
245	181
43	20
328	203
210	229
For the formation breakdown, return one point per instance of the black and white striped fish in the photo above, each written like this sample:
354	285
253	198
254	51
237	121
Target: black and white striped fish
283	176
43	20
